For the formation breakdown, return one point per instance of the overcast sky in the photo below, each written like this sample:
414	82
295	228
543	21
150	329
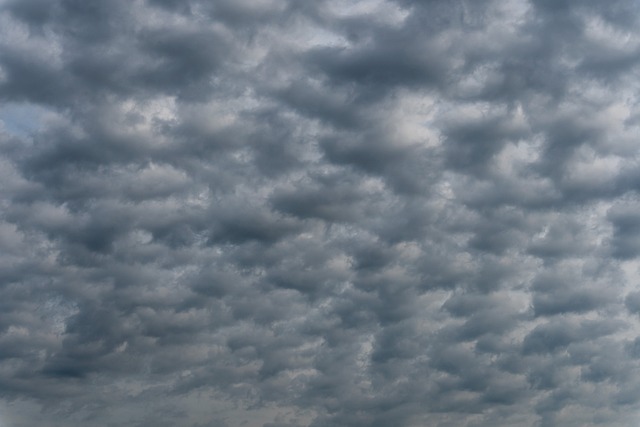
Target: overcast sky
323	213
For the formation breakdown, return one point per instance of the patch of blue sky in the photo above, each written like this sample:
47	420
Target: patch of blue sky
21	119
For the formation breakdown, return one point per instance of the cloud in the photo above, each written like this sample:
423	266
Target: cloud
278	213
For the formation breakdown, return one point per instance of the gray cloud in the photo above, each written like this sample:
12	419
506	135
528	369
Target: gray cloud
277	213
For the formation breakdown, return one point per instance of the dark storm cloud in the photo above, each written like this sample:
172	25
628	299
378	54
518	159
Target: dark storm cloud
278	213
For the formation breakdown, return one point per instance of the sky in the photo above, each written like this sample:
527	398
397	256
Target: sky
328	213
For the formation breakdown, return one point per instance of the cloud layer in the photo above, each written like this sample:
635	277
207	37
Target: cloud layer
279	213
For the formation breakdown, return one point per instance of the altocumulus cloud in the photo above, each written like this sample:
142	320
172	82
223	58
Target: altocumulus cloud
283	213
